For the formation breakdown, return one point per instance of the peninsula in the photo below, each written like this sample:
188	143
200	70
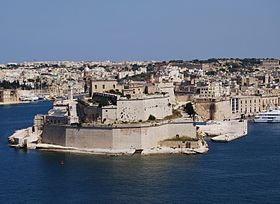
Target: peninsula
141	107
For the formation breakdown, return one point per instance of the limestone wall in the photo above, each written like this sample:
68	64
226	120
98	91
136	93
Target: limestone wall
109	113
223	110
89	138
218	110
150	136
168	88
122	137
158	107
126	138
53	134
153	135
182	129
140	109
130	110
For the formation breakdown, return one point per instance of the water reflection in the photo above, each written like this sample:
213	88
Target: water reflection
117	178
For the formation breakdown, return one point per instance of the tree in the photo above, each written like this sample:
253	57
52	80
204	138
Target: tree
103	103
151	117
190	110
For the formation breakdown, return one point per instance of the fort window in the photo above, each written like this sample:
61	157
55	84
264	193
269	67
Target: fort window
103	86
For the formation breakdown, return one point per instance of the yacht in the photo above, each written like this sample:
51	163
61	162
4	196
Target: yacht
29	98
271	116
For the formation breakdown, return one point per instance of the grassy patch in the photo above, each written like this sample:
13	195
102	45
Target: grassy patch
175	114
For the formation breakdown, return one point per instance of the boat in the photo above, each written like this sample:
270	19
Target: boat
29	98
271	116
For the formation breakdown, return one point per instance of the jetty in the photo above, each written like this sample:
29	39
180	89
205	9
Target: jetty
225	131
226	138
25	138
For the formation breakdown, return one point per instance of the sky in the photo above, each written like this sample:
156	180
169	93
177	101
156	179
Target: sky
119	30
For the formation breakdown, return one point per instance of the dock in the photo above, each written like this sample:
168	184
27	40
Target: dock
226	138
225	131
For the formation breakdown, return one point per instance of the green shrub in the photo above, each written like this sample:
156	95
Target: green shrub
190	110
151	117
103	103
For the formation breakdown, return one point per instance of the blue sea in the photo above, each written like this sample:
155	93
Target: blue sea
243	171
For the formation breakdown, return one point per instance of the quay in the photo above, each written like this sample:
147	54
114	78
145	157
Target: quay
13	103
226	138
225	131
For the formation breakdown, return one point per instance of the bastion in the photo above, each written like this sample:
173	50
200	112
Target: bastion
121	136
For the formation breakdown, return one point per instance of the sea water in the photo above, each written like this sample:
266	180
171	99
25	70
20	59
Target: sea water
243	171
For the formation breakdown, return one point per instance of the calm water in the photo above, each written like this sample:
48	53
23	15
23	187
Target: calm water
244	171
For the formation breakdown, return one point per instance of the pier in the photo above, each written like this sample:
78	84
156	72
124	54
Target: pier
225	131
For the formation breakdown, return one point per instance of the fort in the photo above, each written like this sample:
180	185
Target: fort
121	137
114	123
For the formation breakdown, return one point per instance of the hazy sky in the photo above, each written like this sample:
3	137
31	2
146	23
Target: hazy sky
138	29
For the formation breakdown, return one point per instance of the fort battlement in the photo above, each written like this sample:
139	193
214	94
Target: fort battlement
120	136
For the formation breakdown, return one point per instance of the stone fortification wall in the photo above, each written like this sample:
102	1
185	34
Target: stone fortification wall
158	107
168	88
141	136
54	134
127	138
89	138
218	110
223	110
140	109
109	113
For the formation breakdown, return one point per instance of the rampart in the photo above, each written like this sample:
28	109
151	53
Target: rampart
121	136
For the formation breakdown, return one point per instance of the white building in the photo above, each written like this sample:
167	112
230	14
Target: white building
212	90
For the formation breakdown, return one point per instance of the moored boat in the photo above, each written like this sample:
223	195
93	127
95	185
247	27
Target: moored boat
271	116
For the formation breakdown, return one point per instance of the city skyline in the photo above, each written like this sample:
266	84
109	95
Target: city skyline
132	30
